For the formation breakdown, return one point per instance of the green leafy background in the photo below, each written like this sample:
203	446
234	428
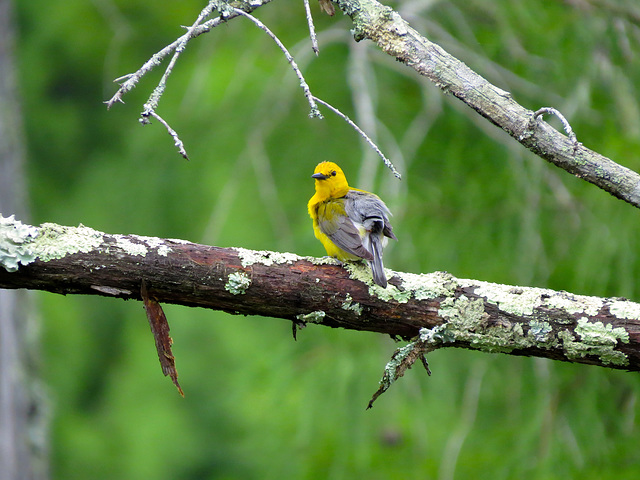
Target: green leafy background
472	202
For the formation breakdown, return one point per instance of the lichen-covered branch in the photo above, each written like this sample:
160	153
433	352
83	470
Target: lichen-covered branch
385	27
465	313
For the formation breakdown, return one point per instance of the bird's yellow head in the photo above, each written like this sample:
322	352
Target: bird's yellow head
330	180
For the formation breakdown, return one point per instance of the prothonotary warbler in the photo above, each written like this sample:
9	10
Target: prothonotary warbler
351	224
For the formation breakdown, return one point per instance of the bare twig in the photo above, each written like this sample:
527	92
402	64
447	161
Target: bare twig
567	128
199	28
150	106
387	162
303	83
133	78
176	139
154	98
312	28
313	99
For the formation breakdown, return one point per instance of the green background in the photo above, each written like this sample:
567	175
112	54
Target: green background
472	202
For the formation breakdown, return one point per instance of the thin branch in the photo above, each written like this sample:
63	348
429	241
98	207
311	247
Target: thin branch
387	162
312	28
176	139
314	113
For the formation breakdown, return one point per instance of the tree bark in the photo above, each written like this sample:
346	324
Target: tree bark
467	313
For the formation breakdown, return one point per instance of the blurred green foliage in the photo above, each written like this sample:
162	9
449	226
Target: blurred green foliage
472	202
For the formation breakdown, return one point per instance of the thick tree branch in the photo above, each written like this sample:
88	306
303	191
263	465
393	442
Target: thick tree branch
392	34
464	313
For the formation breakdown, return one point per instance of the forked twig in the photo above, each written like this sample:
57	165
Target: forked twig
303	83
199	28
194	31
157	93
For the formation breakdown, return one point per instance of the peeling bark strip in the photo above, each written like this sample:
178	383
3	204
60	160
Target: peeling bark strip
392	34
160	329
451	312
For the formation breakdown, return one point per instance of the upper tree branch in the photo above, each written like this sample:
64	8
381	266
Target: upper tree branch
392	34
466	313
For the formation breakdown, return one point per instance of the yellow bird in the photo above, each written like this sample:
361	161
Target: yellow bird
351	224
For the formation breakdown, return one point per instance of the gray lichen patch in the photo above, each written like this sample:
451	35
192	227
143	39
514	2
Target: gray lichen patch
15	243
237	283
541	332
265	257
596	339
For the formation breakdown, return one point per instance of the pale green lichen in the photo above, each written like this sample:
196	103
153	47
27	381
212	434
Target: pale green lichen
425	286
466	321
312	317
57	241
596	339
265	257
15	240
352	306
390	374
154	243
237	283
625	309
428	286
575	304
509	299
462	313
326	260
432	337
131	248
22	244
360	271
524	301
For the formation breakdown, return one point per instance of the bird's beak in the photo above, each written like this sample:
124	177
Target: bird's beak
319	176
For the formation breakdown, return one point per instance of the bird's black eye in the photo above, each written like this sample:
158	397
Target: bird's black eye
333	173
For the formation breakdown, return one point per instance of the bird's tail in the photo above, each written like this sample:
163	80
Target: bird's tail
377	269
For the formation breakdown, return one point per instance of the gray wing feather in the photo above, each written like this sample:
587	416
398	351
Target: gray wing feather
369	210
345	235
